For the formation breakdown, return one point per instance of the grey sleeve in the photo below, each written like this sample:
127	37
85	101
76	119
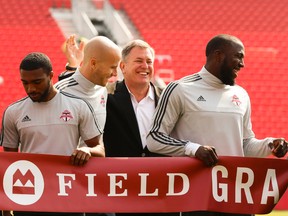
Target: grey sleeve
167	113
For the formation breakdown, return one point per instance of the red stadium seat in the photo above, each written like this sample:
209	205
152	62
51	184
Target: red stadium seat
26	26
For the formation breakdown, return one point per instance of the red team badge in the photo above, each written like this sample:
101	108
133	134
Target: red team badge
102	102
66	116
236	100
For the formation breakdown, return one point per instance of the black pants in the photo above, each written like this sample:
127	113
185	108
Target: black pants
205	213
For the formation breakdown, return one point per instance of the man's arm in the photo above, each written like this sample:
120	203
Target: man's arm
264	147
74	55
168	112
254	147
73	52
88	127
165	117
9	138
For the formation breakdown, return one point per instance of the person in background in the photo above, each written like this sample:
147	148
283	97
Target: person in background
77	45
30	124
206	114
130	106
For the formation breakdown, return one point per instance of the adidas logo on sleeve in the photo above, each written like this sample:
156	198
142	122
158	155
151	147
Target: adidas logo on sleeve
201	98
26	118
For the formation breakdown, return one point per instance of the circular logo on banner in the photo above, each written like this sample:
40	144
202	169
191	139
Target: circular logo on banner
23	182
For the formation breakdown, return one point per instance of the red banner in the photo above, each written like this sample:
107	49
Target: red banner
235	185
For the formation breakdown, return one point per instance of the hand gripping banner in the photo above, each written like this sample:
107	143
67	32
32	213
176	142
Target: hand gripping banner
168	184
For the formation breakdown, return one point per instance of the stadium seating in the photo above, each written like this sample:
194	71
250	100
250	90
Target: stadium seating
27	26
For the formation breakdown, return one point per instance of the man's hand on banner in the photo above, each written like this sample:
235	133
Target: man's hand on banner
80	156
279	147
208	155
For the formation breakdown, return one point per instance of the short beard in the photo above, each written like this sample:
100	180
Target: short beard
226	75
45	94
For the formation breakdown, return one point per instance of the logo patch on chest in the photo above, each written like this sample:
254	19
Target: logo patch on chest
236	100
102	101
66	115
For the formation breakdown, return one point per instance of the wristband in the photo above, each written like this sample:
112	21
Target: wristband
68	68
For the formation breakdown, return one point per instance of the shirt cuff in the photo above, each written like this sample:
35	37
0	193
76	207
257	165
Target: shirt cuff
191	148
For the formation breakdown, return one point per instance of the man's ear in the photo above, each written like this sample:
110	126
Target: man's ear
93	62
219	56
122	66
51	75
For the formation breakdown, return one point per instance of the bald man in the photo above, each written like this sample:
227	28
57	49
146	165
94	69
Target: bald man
101	57
99	63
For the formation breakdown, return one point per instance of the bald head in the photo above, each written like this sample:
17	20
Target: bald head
225	57
99	47
101	59
221	42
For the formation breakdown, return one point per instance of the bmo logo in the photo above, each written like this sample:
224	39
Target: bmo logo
23	182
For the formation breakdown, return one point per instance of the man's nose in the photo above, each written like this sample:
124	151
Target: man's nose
30	88
114	72
242	64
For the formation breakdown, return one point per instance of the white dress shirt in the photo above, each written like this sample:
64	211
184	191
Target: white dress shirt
144	111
